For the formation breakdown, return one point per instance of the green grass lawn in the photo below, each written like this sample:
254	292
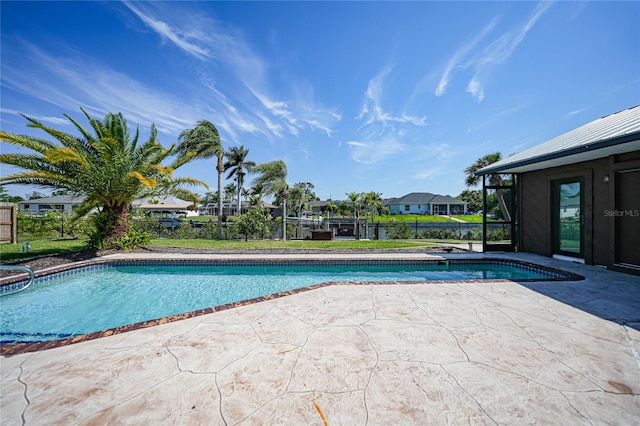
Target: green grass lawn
291	244
412	218
472	218
11	252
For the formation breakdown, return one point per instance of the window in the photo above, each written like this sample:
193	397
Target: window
407	207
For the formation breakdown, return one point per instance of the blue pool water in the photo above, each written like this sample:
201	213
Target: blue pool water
98	299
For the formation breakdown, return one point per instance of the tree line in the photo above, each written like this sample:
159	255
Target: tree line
108	165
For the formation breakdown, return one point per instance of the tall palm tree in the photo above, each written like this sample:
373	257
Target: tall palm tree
203	142
272	178
495	179
372	201
105	164
331	207
238	167
356	198
229	193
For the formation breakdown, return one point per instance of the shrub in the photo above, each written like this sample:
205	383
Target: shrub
132	240
253	224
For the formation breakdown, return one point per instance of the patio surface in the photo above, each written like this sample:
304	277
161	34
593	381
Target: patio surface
482	353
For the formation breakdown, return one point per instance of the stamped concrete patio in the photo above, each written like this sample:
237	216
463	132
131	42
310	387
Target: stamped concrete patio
490	353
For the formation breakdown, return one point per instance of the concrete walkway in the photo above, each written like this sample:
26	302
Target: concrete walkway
482	353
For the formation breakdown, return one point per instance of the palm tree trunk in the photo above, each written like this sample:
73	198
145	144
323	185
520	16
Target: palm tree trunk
284	219
503	206
117	223
220	169
239	199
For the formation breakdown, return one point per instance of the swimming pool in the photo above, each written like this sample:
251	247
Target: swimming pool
109	295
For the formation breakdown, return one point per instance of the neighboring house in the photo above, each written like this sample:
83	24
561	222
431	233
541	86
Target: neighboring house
66	203
59	203
230	209
168	206
426	203
577	195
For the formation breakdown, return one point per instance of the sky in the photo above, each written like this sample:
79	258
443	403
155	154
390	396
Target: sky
391	97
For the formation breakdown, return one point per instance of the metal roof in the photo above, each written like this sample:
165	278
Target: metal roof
56	199
613	134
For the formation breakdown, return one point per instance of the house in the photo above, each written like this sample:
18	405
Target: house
59	203
230	209
67	203
426	203
166	206
576	196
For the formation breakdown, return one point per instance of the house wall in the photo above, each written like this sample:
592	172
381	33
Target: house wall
603	233
413	209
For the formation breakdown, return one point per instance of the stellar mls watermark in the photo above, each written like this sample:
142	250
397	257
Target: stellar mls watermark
622	213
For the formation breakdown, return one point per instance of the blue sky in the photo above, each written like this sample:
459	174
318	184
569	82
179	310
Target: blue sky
392	97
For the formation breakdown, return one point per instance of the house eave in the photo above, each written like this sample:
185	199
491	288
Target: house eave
601	149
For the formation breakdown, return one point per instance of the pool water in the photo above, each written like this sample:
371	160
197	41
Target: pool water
99	299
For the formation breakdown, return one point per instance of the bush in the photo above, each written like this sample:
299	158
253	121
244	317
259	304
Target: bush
132	240
253	224
398	231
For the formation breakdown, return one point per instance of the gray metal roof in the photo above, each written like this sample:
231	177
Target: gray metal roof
56	199
613	134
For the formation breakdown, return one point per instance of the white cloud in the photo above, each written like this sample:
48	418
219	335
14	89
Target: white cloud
41	118
372	152
372	111
496	52
460	55
428	174
501	49
183	40
211	41
79	81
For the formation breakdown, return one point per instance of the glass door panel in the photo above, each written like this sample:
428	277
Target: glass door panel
569	217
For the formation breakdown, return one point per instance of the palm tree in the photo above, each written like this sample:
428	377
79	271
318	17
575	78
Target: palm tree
356	198
272	178
229	193
495	179
105	164
331	207
238	167
202	142
372	201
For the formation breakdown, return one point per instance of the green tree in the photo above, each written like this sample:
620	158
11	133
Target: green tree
105	164
229	193
238	167
272	179
203	142
331	207
495	179
356	205
5	197
301	194
254	224
473	197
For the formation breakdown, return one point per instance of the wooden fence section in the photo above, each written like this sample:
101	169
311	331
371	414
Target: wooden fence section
8	223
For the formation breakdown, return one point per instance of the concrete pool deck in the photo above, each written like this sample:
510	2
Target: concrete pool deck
433	353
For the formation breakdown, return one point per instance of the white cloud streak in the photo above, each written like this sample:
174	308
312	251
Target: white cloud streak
208	41
460	55
501	49
372	152
381	132
496	52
